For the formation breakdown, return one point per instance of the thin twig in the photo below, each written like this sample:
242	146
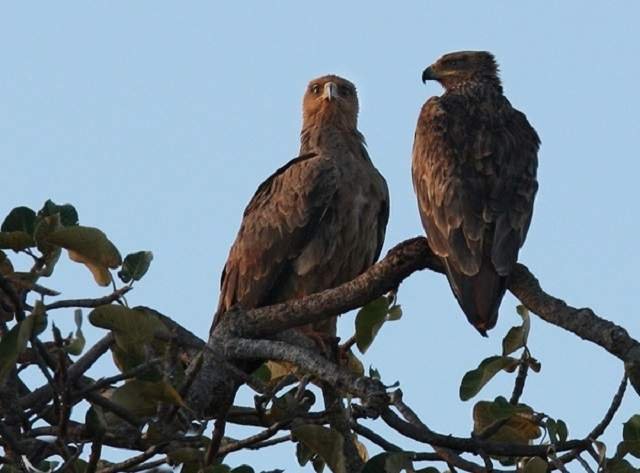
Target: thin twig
32	286
471	445
556	462
107	382
599	429
251	441
375	438
270	442
346	346
82	364
63	388
216	439
584	464
69	462
9	438
521	378
133	461
96	452
89	303
117	409
148	465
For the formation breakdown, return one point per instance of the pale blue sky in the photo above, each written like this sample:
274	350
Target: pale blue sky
159	119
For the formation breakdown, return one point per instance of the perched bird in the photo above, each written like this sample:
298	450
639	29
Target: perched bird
319	220
474	172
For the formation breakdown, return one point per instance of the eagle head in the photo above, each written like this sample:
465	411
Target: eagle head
330	99
456	68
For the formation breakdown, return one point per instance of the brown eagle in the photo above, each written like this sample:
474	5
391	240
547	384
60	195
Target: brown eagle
474	172
319	220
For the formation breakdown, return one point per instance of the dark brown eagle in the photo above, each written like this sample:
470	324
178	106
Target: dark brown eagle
319	220
474	172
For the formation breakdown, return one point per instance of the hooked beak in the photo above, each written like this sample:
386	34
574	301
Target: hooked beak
428	74
330	91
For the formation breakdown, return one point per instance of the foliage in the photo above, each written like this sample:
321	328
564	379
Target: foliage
144	405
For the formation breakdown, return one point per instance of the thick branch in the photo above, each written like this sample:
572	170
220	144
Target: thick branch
365	388
424	435
582	322
401	261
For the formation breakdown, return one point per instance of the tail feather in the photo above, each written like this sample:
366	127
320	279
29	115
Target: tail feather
479	295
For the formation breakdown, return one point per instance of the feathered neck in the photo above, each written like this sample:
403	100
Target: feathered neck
475	86
330	137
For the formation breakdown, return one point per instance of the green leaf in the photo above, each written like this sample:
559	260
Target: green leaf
67	212
15	341
393	462
96	422
90	247
16	241
243	469
534	364
135	332
262	373
77	343
631	435
563	431
516	337
318	464
216	469
519	423
374	373
303	454
135	266
552	428
395	312
535	465
141	398
513	341
185	455
369	320
289	405
620	466
20	219
51	253
558	431
327	443
474	380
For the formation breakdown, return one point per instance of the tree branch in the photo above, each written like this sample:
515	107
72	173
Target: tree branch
89	303
133	461
471	445
365	388
399	263
582	322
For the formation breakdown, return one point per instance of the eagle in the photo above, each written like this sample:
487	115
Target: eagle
474	173
318	221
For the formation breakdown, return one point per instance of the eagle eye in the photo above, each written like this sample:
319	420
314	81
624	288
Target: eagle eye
315	89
